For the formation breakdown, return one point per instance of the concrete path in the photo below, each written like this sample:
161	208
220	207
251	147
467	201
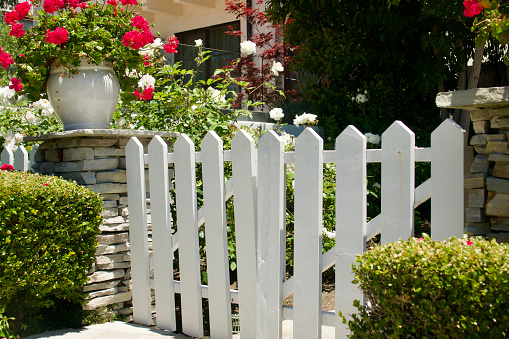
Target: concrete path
114	330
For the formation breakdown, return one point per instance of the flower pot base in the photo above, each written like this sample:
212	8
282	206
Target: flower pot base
86	126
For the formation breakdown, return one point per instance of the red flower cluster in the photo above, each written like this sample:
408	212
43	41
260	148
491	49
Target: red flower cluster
51	6
5	58
16	84
472	8
58	36
140	35
7	168
171	46
148	94
11	18
129	2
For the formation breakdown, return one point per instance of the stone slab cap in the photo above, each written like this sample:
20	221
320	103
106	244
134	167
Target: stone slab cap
102	133
493	97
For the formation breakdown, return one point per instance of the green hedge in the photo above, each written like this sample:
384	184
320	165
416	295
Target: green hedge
429	289
48	237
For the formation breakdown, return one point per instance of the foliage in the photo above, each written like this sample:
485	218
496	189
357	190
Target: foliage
48	229
66	31
398	56
436	289
4	326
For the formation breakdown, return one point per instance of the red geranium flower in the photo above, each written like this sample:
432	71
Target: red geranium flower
472	8
16	84
146	95
129	2
11	17
17	30
7	168
22	9
5	58
171	46
58	36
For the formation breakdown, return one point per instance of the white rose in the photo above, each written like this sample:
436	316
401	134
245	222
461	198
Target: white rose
198	42
247	47
146	81
276	68
216	95
276	114
29	116
361	98
372	138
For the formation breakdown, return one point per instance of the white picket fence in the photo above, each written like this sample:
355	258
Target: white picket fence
19	159
258	189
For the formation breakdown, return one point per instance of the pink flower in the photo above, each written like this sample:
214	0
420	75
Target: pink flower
22	9
46	184
17	30
58	36
420	239
16	84
171	46
146	60
472	8
140	23
50	6
5	58
136	39
11	17
7	168
112	2
129	2
72	3
469	243
146	95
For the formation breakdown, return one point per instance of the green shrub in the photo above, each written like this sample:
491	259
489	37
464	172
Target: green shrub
48	237
432	289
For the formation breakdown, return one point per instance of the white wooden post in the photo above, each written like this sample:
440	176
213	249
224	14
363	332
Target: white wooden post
33	152
138	234
244	188
189	255
218	274
351	216
398	180
7	157
307	294
271	237
448	143
21	159
161	234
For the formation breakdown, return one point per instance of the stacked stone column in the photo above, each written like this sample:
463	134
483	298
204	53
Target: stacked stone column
487	212
96	159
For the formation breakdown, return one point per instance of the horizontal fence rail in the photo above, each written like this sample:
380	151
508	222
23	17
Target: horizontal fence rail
257	186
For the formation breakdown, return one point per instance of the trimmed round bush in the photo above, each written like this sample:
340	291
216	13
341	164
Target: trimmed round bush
48	237
433	289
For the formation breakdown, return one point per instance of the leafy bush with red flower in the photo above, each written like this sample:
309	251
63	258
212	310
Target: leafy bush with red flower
67	30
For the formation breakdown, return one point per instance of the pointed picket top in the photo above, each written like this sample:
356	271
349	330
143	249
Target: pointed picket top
448	144
21	159
138	237
398	180
161	234
307	298
244	197
183	143
7	157
269	139
33	152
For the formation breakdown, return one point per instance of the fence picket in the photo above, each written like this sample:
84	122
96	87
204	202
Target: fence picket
398	180
307	294
448	144
218	274
244	186
138	236
189	255
271	237
351	216
7	156
33	152
161	234
21	159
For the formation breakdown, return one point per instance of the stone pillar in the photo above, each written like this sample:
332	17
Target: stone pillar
488	181
96	159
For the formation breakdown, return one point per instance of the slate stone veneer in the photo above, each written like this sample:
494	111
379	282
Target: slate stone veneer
487	210
96	159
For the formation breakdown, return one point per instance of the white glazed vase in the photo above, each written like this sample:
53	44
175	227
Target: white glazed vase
86	100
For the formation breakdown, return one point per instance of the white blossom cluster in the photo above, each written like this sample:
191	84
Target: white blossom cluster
247	47
372	138
276	114
305	118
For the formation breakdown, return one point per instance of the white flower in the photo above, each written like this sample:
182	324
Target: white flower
247	47
372	138
276	113
29	116
147	50
6	92
18	137
131	73
376	185
216	95
328	234
44	105
305	118
198	42
158	43
361	98
276	68
288	139
146	81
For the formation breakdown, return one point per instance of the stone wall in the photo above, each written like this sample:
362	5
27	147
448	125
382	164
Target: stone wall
96	159
487	212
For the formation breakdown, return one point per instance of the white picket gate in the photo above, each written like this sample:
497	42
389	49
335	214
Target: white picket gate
19	159
258	189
